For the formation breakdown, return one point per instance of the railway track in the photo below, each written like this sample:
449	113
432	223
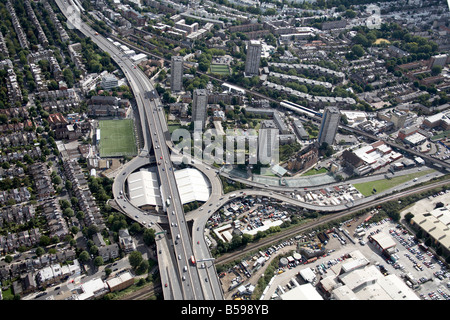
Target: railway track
143	294
237	254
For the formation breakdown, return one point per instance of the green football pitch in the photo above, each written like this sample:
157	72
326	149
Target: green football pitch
220	69
117	138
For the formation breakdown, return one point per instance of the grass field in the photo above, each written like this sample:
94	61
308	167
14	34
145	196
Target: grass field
314	171
384	184
440	136
220	69
117	138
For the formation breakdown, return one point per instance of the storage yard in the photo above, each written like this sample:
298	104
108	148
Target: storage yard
348	262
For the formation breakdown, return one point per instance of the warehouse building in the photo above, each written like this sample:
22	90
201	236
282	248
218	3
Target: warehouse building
435	224
356	279
192	185
308	275
302	292
370	284
370	157
383	243
144	188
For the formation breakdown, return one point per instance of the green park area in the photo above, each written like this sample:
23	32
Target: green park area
314	171
117	138
367	188
220	69
440	136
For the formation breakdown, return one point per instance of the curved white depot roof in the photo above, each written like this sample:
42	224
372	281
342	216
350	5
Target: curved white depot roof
192	185
143	188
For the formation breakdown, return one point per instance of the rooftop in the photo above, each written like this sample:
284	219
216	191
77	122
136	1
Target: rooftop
192	185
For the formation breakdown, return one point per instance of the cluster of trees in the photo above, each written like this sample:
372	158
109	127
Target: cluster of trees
101	188
312	129
197	82
95	59
287	150
138	263
236	242
204	60
419	47
356	52
229	186
191	206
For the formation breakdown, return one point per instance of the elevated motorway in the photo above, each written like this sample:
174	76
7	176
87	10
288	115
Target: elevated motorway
179	275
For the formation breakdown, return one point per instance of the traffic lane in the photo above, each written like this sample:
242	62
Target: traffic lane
182	251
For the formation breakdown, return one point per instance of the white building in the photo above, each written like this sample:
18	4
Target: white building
302	292
143	189
192	185
109	82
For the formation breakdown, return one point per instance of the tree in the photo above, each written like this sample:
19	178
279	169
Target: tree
64	204
91	230
149	236
135	259
436	70
39	251
98	261
143	267
361	39
68	212
108	271
84	256
246	238
93	250
358	50
68	77
44	241
409	216
350	13
135	228
53	85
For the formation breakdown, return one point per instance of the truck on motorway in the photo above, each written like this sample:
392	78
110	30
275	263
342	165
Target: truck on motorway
168	202
233	195
193	260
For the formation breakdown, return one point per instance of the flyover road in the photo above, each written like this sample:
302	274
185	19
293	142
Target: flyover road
217	200
199	217
177	271
281	188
